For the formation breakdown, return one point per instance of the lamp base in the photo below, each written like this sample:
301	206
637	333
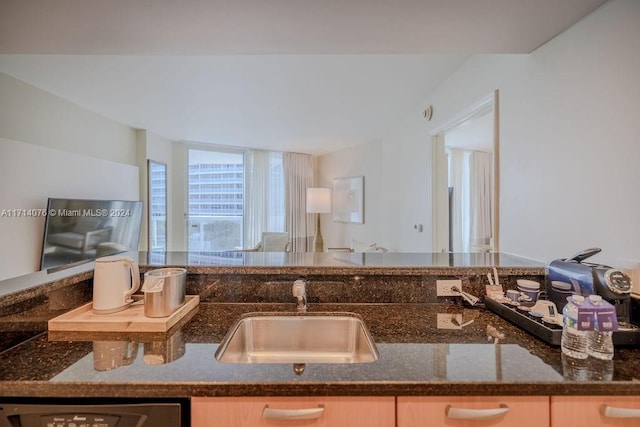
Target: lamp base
318	243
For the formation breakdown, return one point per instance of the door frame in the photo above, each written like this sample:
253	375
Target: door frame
439	179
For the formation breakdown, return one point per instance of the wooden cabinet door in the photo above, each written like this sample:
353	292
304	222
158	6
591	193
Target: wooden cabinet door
588	411
473	411
293	412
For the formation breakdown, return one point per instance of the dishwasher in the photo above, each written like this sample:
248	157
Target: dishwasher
43	412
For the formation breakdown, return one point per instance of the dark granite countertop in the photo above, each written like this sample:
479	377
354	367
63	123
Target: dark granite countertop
416	358
371	263
323	263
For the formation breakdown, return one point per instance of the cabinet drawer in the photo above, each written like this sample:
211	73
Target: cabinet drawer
478	411
587	411
293	412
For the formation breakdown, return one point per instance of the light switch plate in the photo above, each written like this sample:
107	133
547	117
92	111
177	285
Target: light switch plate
443	288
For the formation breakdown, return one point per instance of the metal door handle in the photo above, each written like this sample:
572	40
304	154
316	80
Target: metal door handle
292	414
475	414
612	412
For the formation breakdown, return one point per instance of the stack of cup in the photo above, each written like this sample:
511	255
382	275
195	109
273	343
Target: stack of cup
560	291
529	290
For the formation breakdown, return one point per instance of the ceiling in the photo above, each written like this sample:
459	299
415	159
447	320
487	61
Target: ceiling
291	75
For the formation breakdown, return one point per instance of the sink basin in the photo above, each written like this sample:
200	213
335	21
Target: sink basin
298	338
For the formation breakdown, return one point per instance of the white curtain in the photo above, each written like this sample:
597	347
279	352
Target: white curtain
298	172
481	195
264	195
459	181
470	177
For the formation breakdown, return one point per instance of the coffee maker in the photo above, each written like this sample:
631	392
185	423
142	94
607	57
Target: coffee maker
569	276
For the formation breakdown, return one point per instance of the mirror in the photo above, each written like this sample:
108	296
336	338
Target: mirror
561	116
465	180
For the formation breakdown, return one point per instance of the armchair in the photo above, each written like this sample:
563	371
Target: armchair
272	242
85	235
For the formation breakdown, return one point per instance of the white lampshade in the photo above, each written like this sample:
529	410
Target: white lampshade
318	200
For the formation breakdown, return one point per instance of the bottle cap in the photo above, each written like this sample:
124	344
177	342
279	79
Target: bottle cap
578	299
596	299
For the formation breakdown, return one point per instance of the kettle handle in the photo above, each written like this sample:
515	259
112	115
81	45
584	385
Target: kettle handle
135	278
584	254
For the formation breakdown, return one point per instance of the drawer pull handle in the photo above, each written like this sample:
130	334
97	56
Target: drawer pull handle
612	412
475	414
292	414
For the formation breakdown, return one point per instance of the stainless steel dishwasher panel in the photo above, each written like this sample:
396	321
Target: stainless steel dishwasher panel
92	415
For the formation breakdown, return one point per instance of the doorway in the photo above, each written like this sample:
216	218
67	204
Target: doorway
465	180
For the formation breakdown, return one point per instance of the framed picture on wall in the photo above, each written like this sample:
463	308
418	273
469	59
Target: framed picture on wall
348	200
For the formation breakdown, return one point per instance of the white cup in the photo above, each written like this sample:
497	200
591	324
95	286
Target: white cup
115	279
530	288
513	295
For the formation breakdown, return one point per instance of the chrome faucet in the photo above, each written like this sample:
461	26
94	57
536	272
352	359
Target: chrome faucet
300	292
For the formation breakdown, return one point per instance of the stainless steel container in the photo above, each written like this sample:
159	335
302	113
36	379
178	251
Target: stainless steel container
164	291
164	351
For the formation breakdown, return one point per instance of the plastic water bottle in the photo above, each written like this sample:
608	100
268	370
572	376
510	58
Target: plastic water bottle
599	370
574	341
575	369
600	343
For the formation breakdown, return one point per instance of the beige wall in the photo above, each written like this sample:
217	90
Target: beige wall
364	160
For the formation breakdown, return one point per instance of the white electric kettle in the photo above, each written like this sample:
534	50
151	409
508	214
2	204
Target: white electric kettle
115	279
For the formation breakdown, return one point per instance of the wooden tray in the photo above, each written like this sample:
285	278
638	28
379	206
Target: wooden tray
131	319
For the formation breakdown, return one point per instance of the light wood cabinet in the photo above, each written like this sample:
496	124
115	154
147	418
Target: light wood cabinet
588	411
417	411
293	412
477	411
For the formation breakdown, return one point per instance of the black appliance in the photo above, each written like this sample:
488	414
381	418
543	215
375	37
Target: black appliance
52	414
574	276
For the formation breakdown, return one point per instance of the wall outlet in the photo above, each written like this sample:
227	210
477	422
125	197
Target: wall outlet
443	288
448	321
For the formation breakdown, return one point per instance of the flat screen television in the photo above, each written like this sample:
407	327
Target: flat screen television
79	230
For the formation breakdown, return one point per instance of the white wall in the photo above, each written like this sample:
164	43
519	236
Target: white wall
397	189
569	148
179	185
50	147
568	137
407	186
30	174
29	114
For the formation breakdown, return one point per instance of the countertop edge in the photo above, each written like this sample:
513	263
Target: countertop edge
164	390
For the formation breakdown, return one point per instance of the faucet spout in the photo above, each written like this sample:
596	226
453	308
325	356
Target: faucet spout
300	292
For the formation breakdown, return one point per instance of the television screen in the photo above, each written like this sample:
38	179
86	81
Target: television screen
77	230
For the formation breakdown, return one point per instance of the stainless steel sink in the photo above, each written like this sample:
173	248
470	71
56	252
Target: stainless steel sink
298	338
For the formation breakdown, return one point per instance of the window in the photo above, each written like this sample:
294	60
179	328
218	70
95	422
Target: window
157	202
216	183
